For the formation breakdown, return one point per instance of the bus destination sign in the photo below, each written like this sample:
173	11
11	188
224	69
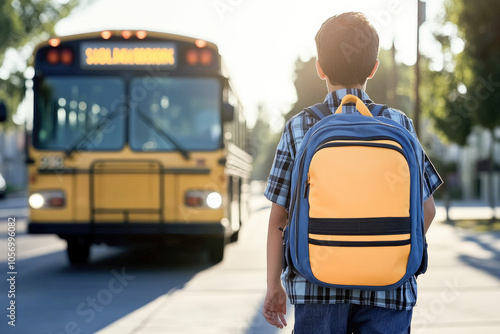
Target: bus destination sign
109	55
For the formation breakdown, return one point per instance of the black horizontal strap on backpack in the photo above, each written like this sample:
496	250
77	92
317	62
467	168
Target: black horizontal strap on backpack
320	110
387	243
360	226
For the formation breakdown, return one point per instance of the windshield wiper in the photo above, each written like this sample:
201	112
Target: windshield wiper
97	127
163	133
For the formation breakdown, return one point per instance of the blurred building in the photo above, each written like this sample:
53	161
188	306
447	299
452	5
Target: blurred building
466	169
12	158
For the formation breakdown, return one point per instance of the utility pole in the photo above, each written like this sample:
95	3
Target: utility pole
416	111
392	83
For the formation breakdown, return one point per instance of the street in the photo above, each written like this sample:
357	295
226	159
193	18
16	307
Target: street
53	297
167	291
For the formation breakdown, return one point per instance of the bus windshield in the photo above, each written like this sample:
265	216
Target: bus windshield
172	113
163	114
69	107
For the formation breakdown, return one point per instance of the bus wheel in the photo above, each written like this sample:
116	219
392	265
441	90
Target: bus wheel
235	236
216	249
78	251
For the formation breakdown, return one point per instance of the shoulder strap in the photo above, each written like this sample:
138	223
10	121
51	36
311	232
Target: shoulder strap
319	111
376	109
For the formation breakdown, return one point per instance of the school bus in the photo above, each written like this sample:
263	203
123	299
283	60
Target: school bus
138	137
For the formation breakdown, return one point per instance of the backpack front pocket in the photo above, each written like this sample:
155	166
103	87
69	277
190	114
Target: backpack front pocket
349	179
359	202
342	252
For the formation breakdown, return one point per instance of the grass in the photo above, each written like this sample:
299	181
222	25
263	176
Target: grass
478	225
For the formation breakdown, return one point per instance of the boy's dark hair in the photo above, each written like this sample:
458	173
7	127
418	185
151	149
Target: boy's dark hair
347	46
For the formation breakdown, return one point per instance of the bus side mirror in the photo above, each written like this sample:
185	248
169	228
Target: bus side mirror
227	113
3	112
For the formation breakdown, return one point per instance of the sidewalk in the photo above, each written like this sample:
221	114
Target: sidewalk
460	293
225	298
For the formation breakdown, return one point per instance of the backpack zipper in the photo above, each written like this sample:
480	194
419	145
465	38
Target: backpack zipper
306	185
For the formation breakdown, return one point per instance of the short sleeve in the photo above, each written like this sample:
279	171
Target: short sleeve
432	180
278	184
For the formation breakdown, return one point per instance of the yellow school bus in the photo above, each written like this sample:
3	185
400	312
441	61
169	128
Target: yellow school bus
137	137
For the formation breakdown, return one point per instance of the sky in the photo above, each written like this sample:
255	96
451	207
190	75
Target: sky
260	40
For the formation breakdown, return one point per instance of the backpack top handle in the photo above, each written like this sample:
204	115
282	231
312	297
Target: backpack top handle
360	106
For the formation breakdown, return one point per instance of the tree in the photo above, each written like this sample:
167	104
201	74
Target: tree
309	87
466	92
264	160
22	24
391	84
259	145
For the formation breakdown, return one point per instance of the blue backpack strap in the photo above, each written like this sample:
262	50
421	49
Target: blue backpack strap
319	111
376	109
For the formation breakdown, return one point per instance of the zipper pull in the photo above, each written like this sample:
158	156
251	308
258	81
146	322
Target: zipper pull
306	185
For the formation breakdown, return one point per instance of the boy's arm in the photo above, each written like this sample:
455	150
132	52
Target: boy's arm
432	181
429	212
275	302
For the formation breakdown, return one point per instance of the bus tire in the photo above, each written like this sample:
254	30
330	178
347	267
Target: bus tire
216	249
235	236
78	251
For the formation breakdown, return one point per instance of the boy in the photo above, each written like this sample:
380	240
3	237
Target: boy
347	46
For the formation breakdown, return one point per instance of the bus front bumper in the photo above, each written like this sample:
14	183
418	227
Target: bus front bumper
94	229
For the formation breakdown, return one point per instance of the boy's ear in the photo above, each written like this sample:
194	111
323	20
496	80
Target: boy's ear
377	63
321	74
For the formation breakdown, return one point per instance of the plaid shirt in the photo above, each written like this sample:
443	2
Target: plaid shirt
299	290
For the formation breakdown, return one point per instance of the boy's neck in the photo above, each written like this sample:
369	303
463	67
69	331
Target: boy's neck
332	88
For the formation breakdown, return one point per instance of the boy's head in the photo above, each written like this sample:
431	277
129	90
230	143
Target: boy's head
347	46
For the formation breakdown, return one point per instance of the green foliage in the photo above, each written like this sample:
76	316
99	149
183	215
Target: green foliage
310	88
478	25
445	105
257	140
392	83
264	160
22	22
465	92
12	91
262	145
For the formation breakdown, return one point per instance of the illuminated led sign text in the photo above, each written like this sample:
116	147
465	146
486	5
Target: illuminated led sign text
109	55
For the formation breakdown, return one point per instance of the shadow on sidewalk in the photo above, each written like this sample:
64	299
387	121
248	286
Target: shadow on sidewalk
54	297
485	240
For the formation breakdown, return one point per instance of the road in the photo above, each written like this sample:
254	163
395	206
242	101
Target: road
150	291
53	297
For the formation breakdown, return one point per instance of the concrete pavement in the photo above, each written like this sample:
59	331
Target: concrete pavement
460	293
225	298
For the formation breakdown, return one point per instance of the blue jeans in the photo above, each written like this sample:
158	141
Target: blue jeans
349	318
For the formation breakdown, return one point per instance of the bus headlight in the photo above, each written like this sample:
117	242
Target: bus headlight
203	199
36	201
49	199
214	200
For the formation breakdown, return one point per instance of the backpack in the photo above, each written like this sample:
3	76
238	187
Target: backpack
356	207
